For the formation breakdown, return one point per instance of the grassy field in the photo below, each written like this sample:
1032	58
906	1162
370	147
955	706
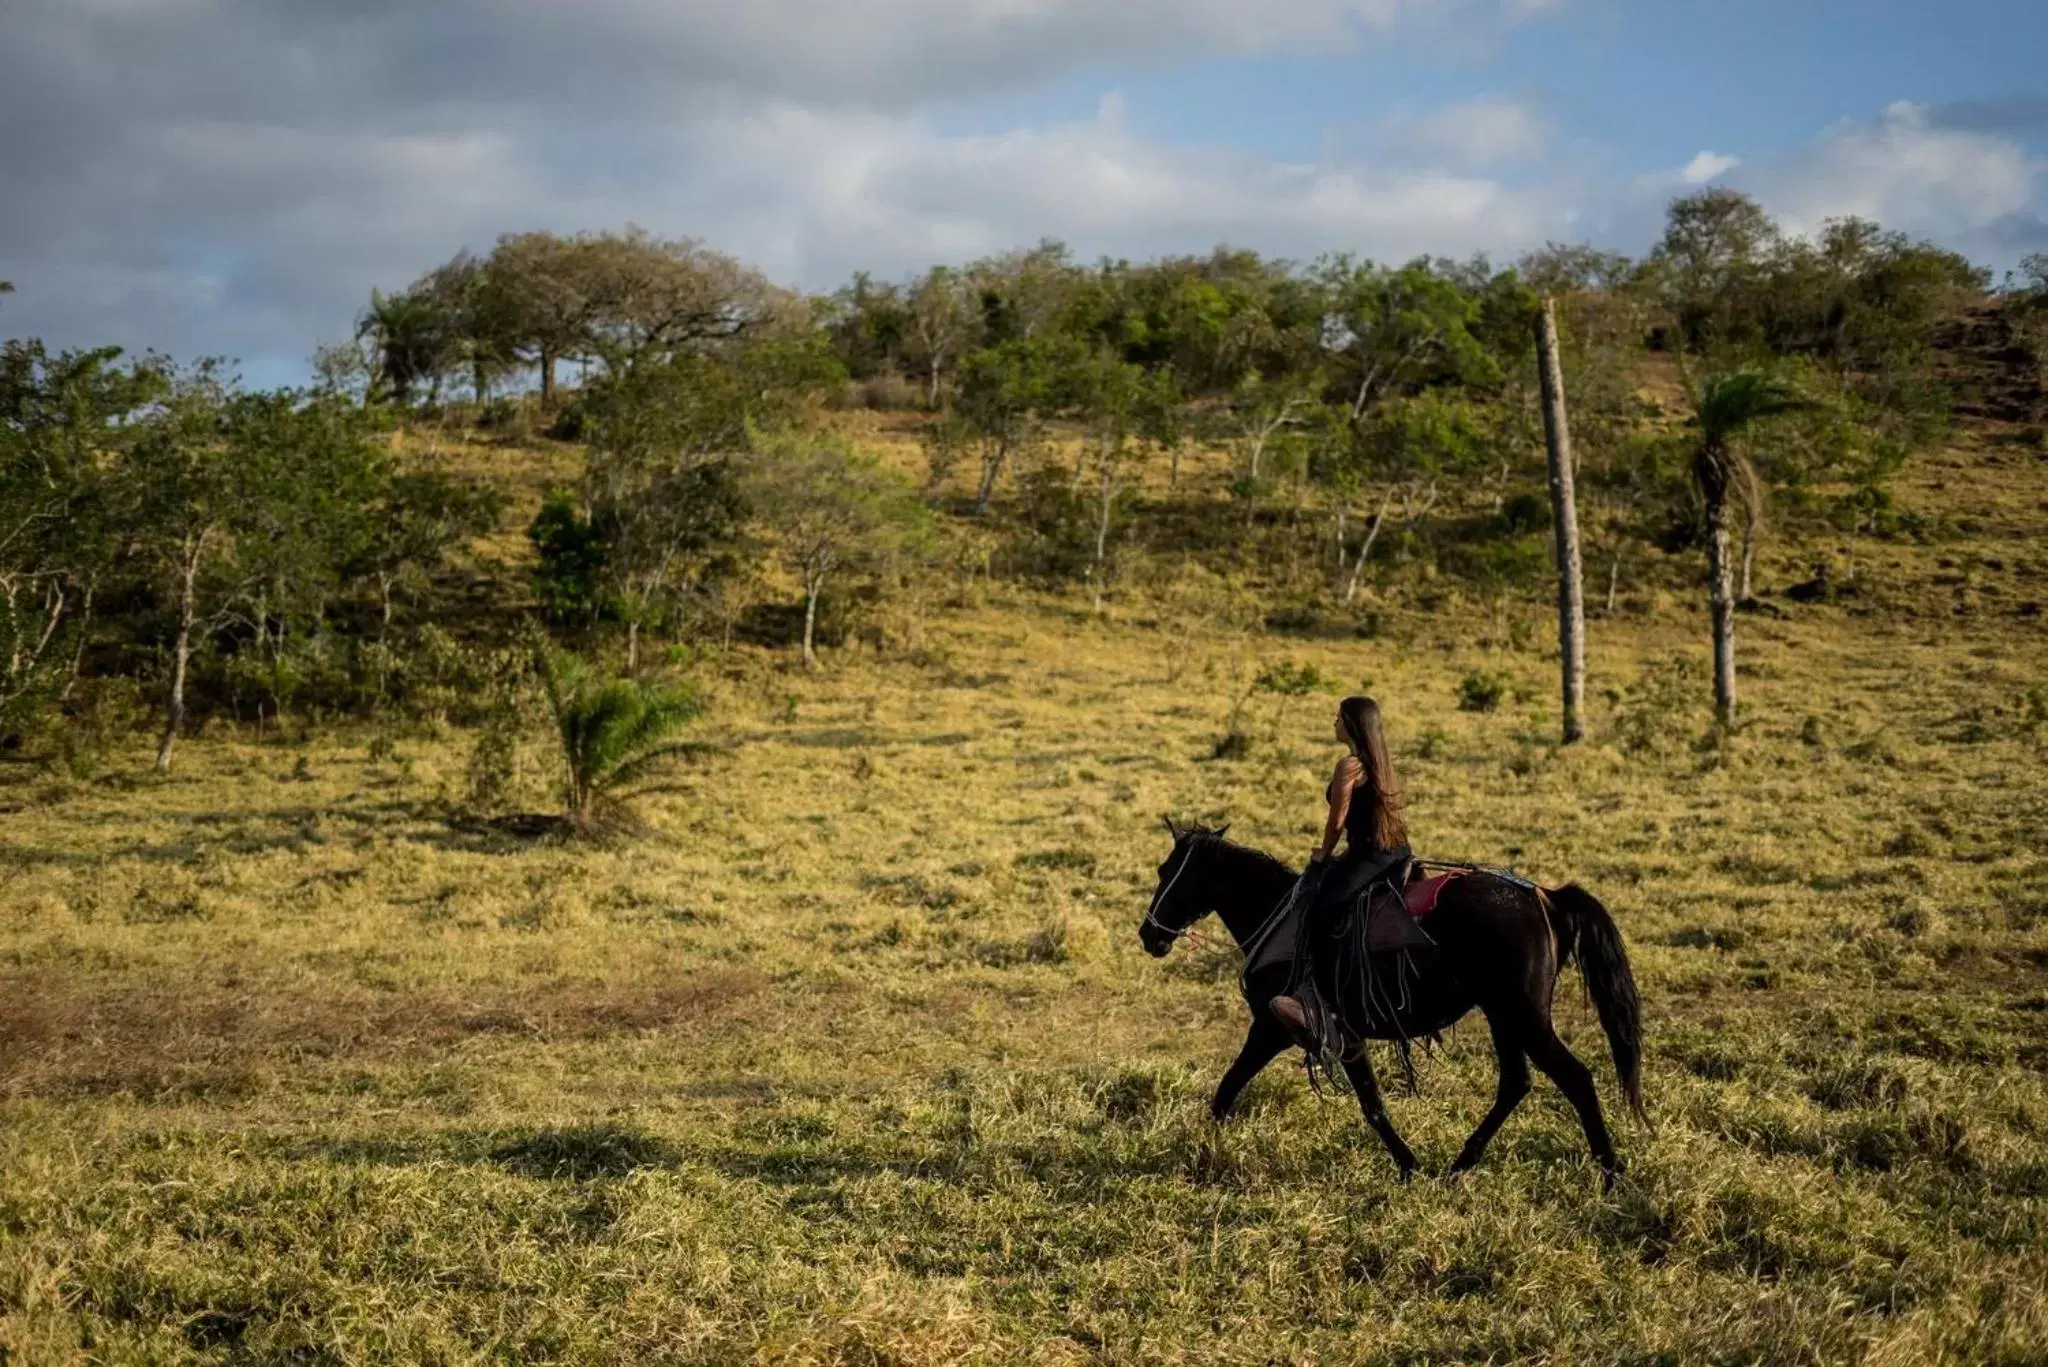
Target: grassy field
855	1057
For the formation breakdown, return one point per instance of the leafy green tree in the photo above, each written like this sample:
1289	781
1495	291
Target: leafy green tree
1024	294
1005	393
188	486
65	422
248	508
868	323
618	737
1393	331
1122	408
1729	407
1711	268
832	511
417	520
569	559
660	483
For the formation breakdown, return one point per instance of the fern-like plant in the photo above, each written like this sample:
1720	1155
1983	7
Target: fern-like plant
618	737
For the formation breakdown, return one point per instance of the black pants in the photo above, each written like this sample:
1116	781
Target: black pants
1331	935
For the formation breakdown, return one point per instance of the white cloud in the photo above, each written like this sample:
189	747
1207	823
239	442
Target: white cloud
1905	171
1708	166
1473	134
234	175
894	194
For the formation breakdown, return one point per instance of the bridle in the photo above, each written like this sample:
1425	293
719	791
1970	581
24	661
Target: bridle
1159	898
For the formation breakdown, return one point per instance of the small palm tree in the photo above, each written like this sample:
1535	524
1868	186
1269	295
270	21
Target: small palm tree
414	340
1729	406
617	736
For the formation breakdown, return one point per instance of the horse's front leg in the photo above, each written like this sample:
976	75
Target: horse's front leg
1358	1068
1262	1044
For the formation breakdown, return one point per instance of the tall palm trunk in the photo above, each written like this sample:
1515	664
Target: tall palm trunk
1571	606
1714	478
1752	515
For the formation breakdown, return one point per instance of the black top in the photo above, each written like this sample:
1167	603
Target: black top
1358	833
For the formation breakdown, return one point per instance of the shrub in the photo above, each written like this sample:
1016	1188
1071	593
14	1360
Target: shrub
1482	690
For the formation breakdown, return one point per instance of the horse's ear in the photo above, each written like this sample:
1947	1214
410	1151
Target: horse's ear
1171	829
1223	830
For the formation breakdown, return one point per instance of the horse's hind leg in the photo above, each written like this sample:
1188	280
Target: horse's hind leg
1358	1068
1514	1085
1563	1067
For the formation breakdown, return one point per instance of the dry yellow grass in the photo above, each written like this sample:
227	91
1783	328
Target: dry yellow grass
855	1058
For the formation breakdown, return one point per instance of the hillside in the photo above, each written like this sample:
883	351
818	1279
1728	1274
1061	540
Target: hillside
855	1057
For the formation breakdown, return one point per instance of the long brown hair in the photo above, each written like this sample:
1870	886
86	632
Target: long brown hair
1380	790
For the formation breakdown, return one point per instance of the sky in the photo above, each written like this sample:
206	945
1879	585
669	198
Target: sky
233	177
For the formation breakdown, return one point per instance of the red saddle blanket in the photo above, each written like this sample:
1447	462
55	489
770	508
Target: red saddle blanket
1421	895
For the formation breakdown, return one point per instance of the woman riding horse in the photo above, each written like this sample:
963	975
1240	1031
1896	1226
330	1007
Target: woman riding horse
1496	943
1365	808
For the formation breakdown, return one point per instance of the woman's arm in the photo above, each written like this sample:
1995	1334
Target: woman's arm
1349	771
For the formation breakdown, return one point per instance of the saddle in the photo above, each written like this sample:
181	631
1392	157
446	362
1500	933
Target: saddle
1393	923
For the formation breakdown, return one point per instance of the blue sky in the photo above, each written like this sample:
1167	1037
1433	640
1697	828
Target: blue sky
233	176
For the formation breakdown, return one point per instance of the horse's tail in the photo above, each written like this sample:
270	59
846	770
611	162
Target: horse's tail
1588	931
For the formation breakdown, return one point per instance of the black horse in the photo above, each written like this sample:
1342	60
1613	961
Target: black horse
1500	947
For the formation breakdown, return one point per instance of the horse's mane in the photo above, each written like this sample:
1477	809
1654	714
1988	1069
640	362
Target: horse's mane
1246	858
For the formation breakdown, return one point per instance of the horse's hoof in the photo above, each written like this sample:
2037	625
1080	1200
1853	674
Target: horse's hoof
1404	1175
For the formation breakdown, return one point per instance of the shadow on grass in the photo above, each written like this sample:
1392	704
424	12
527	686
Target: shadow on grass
570	1153
582	1152
297	829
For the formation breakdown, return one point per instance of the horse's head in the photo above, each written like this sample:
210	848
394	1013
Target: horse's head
1177	902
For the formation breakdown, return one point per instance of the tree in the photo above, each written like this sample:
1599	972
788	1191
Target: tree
655	299
1392	331
476	312
832	511
1004	392
659	480
617	736
547	299
187	485
1729	406
1263	413
1117	402
419	517
869	324
307	488
942	325
1710	266
1024	293
414	340
65	423
249	509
